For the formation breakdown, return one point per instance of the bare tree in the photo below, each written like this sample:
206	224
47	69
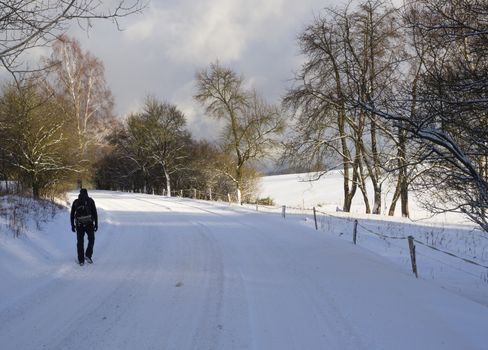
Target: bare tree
79	78
450	39
250	124
27	24
372	58
350	54
165	137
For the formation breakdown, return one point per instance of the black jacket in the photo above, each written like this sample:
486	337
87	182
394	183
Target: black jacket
83	199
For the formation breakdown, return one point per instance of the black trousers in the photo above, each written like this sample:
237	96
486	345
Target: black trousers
80	244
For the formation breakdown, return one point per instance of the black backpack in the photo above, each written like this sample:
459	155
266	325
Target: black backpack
83	214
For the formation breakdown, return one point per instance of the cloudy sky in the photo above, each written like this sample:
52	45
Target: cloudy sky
159	51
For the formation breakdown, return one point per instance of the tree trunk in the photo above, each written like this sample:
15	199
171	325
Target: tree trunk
365	199
349	195
401	191
375	171
395	198
404	198
362	187
239	196
35	190
402	160
238	180
377	199
168	182
347	203
346	154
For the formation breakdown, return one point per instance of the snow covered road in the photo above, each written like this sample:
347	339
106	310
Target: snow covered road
180	274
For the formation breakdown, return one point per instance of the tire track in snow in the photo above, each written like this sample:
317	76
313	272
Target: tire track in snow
206	331
222	296
339	331
202	322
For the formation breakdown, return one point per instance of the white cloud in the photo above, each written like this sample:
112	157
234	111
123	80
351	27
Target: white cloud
141	30
200	125
160	50
205	31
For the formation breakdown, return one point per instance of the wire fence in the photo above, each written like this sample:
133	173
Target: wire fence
453	270
435	262
436	259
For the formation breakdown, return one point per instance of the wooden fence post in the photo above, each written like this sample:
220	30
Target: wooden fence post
283	209
315	218
411	245
355	231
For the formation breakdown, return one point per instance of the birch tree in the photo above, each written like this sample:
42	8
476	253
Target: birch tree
26	25
79	78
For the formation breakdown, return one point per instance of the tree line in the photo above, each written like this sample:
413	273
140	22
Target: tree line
153	152
388	95
58	129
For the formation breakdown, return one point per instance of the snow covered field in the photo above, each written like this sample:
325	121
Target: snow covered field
327	193
181	274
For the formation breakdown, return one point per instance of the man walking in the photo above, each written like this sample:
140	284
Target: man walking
84	219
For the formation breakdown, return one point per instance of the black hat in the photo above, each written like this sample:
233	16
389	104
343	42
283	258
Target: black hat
83	192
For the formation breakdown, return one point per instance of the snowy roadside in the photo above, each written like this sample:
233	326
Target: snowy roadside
36	245
32	243
442	242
